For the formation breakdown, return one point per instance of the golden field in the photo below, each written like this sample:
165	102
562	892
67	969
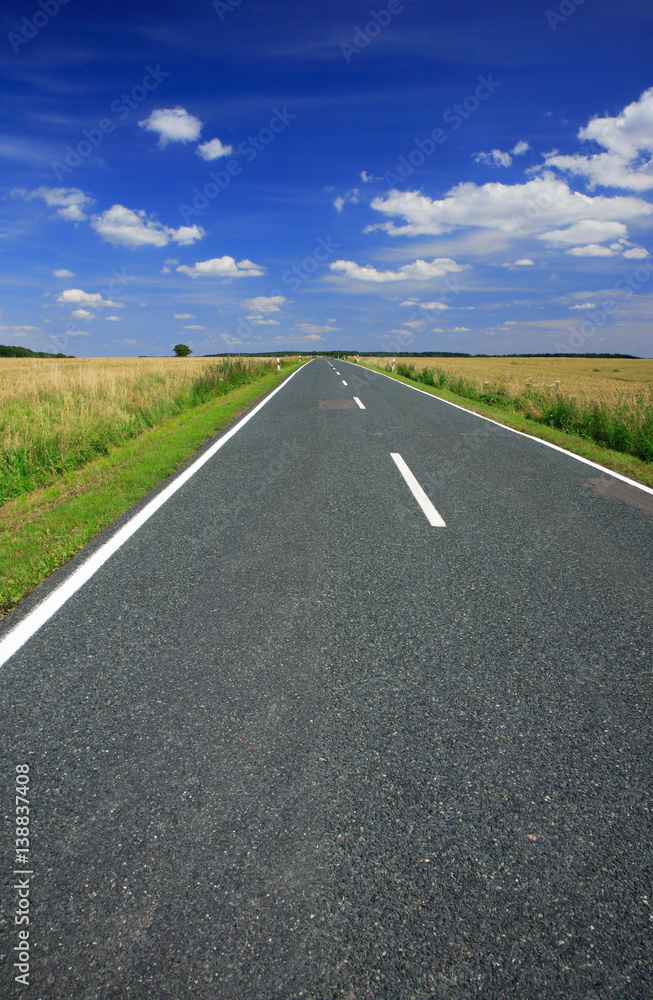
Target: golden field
588	378
57	414
92	377
65	398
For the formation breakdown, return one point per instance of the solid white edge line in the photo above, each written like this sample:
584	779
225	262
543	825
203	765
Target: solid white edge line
432	516
359	402
42	613
531	437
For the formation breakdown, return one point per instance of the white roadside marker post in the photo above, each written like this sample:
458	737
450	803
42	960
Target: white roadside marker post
393	364
279	364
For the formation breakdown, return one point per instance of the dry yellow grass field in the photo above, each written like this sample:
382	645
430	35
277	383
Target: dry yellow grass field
60	412
34	377
65	398
589	378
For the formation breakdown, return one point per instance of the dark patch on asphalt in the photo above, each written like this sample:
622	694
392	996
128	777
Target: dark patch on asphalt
616	490
336	404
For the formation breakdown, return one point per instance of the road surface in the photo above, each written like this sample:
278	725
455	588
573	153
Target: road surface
297	738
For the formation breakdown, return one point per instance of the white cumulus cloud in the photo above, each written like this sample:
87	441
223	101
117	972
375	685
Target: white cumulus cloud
173	125
627	139
75	296
585	231
592	250
423	305
266	303
419	270
312	331
637	252
69	202
529	208
213	150
495	158
351	197
125	227
223	267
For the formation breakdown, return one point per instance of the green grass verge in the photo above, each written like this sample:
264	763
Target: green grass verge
43	529
617	461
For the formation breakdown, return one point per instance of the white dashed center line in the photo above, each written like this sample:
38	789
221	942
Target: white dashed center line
430	512
359	402
343	382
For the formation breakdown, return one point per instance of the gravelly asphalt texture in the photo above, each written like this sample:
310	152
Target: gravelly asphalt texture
291	741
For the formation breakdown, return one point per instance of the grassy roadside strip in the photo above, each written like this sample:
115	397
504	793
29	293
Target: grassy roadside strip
41	530
617	461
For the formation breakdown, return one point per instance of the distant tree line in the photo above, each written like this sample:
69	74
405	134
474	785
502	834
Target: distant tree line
7	351
420	354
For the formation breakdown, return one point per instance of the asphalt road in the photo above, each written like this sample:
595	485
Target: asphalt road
294	741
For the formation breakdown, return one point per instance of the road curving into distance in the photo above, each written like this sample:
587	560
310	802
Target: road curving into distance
362	710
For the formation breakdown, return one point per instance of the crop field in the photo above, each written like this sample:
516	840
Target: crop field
55	415
590	378
608	401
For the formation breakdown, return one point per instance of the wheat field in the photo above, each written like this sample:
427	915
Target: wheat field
609	403
64	399
588	378
57	414
92	377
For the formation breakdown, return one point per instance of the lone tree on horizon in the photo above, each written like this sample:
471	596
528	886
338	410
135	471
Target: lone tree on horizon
182	351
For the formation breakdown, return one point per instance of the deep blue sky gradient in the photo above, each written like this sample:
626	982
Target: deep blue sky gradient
351	116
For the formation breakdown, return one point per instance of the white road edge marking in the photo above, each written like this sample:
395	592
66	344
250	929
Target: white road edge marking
430	512
359	402
42	613
529	437
343	382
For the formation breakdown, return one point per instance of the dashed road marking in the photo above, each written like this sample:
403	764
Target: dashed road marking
432	516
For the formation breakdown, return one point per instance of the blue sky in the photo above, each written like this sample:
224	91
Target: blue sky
249	176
